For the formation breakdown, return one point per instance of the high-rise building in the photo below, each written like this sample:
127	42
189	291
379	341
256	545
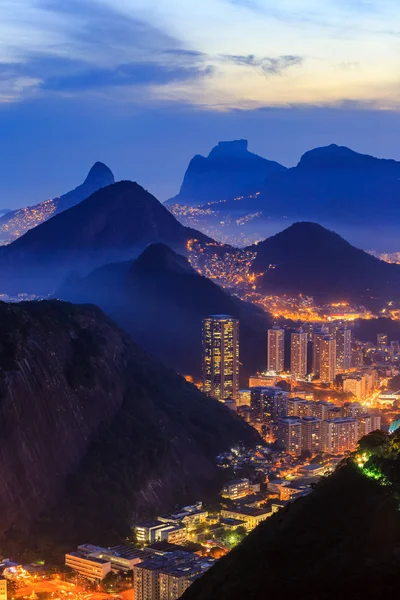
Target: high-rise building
325	410
276	350
298	354
289	435
339	435
353	409
268	404
318	335
327	359
221	357
311	438
298	407
368	423
381	339
343	349
357	357
394	348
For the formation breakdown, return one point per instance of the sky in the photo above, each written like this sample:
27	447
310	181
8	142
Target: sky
143	85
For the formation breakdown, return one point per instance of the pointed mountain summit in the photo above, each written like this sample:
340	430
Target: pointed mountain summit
17	222
161	301
99	175
228	171
159	258
308	259
115	223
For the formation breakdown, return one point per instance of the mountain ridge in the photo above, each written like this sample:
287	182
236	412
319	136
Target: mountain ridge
307	258
15	223
115	223
161	301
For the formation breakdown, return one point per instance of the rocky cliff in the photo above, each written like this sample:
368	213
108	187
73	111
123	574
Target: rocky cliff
93	431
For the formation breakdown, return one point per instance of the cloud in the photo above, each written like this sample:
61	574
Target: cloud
99	48
269	65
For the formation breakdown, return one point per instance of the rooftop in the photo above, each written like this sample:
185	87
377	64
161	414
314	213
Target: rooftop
100	561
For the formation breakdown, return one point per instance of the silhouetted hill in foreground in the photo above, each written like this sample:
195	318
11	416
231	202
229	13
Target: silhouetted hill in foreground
161	301
341	541
309	259
228	171
115	223
94	432
15	223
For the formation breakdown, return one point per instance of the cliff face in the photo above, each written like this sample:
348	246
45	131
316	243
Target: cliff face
229	170
59	381
93	431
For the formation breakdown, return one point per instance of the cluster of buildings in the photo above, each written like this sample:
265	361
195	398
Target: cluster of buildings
331	354
161	572
331	351
299	425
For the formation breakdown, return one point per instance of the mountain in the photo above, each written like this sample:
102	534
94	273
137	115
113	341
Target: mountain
334	184
161	301
306	258
15	223
228	171
341	541
115	223
94	432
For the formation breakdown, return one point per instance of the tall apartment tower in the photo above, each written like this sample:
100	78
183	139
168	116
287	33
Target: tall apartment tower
318	335
327	359
276	350
343	349
298	354
221	357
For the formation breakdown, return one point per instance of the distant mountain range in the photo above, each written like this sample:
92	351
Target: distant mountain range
115	223
161	301
94	432
329	184
333	182
309	259
15	223
229	170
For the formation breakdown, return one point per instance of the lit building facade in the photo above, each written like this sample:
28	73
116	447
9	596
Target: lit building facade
298	354
276	350
239	488
94	569
3	588
368	423
289	435
221	357
318	335
311	435
343	349
339	435
327	366
268	404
